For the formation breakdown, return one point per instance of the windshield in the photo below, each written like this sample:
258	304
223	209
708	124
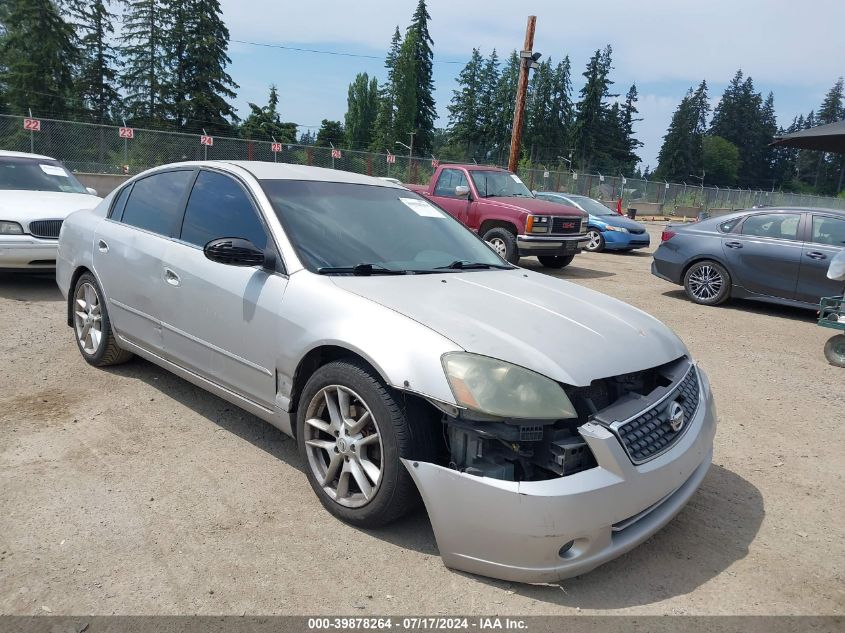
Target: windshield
339	225
502	184
32	174
593	207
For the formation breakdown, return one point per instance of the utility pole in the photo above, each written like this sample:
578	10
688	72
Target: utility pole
528	59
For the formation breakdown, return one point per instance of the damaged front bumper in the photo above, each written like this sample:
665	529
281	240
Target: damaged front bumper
544	531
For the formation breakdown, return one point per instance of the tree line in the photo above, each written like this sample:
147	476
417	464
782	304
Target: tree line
731	148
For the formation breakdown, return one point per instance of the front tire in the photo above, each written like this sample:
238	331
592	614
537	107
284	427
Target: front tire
596	241
504	243
707	283
92	327
551	261
834	350
352	430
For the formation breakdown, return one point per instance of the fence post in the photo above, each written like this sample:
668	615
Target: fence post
309	156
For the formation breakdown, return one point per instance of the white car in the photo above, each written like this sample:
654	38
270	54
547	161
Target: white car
36	194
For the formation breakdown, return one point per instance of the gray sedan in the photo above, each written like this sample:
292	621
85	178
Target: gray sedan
546	427
773	255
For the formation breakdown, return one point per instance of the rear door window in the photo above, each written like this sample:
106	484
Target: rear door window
120	203
155	203
828	230
782	226
219	207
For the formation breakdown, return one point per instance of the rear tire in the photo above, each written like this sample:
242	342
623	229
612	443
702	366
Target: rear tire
352	430
92	326
504	243
551	261
834	350
707	283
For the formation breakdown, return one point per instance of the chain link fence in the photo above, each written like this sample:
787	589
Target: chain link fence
100	149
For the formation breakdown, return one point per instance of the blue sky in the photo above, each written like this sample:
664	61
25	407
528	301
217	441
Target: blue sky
663	46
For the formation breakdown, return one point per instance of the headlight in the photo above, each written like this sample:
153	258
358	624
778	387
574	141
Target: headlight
537	224
10	228
616	228
498	388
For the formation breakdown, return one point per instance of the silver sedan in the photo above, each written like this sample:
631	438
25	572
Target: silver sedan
546	427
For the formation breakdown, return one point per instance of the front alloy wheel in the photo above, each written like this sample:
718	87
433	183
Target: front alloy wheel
343	446
596	241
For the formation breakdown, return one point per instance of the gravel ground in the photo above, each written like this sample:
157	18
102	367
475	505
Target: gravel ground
130	491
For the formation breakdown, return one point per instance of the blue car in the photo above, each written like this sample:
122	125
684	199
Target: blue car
606	229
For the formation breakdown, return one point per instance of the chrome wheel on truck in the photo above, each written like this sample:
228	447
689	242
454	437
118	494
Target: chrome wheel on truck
499	246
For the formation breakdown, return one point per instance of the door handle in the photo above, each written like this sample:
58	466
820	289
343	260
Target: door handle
733	244
816	255
102	246
171	277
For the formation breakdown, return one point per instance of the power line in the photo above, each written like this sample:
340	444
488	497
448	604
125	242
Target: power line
336	53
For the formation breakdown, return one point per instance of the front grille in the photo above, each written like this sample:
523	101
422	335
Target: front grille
566	226
636	231
46	228
649	434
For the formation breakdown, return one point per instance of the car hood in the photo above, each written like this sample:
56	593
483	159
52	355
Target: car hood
534	205
25	206
564	331
617	220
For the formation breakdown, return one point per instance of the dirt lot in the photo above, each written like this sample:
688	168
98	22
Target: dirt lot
130	491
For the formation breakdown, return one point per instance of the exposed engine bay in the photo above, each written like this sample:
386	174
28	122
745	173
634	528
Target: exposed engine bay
532	450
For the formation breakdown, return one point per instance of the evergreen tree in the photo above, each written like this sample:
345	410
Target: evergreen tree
330	133
96	82
681	152
487	114
831	167
405	87
144	55
538	121
561	110
628	158
307	138
207	85
264	123
592	113
465	118
720	160
425	112
505	99
38	56
362	107
383	133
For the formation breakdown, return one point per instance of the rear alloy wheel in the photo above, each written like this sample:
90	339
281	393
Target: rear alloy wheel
551	261
834	350
596	241
707	283
92	326
352	432
504	243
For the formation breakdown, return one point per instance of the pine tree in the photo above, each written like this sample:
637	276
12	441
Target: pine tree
405	85
207	85
383	132
538	120
681	152
592	113
96	83
487	114
425	112
628	159
144	55
505	98
38	54
362	107
330	133
465	121
264	123
562	110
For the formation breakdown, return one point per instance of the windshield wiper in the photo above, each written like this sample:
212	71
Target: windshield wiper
360	270
462	264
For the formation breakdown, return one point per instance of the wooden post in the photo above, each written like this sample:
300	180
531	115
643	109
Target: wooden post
521	90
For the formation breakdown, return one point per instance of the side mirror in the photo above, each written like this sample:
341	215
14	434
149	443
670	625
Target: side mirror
92	191
837	267
235	251
462	191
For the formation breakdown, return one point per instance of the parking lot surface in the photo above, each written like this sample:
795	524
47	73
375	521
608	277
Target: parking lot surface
130	491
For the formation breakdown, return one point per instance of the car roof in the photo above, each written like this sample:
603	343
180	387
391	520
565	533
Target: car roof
7	153
474	167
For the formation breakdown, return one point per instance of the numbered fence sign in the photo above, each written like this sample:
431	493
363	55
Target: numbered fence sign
391	158
208	141
32	125
435	163
275	147
126	132
336	153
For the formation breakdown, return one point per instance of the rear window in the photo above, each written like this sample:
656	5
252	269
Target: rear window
827	230
727	226
155	203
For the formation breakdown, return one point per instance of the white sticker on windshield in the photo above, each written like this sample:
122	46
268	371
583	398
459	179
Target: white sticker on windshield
54	170
421	207
516	178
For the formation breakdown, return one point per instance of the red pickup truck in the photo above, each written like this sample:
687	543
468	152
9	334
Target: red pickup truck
496	204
